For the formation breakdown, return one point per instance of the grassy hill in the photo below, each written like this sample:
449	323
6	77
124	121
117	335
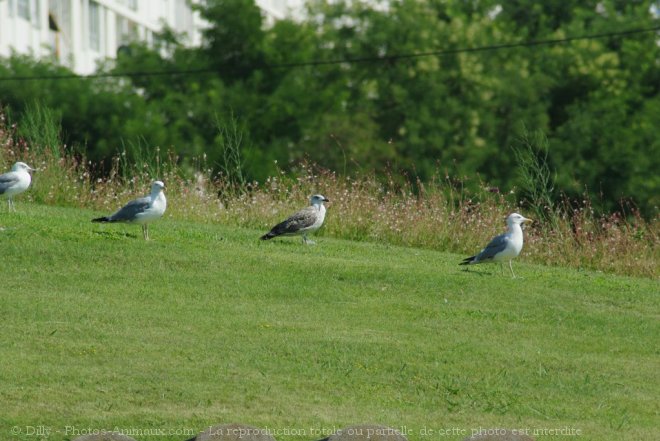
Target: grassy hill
206	324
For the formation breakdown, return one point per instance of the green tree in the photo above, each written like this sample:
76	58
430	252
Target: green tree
447	109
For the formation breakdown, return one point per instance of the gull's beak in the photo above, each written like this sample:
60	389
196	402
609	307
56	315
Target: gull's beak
31	169
528	220
326	200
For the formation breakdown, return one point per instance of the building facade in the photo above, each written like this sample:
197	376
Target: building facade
80	33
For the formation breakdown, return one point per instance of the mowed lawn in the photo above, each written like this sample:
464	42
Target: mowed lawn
205	324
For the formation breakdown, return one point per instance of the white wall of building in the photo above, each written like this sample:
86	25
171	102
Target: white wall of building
279	9
80	33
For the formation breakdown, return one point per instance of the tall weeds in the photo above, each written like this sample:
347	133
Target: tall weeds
438	214
40	127
232	142
538	180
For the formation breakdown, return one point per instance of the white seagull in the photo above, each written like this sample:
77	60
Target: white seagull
14	182
506	246
142	210
305	221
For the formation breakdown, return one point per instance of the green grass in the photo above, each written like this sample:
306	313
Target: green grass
206	324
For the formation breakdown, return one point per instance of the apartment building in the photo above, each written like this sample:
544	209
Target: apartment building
80	33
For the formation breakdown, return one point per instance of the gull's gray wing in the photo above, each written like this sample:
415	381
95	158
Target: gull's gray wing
497	245
304	218
129	211
7	180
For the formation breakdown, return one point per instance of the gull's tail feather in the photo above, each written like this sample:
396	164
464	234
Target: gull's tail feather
102	219
467	260
269	235
277	230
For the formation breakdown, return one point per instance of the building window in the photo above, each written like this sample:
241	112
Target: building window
130	4
94	26
23	9
127	31
36	14
61	11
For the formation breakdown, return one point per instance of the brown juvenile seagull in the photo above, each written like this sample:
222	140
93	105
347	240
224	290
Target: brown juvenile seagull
305	221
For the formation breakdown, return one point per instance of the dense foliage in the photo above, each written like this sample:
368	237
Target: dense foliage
452	112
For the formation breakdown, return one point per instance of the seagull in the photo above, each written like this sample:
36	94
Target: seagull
506	246
307	220
14	182
142	210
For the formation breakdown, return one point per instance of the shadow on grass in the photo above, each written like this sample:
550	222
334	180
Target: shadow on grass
115	234
476	273
285	242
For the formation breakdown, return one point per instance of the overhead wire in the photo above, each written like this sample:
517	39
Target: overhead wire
354	60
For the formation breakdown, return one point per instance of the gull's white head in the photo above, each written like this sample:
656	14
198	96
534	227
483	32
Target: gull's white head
516	219
318	199
157	187
21	166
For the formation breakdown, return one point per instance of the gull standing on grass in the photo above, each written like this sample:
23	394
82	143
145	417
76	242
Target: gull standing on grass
142	210
305	221
15	182
506	246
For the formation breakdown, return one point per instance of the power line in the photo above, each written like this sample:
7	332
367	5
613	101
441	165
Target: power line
372	59
495	47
